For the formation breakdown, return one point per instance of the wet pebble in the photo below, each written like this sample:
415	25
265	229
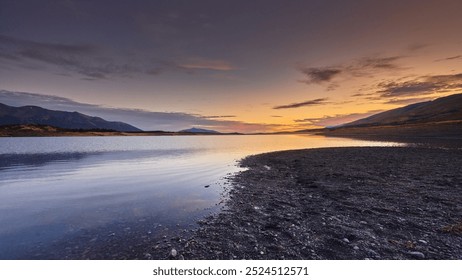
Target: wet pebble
417	254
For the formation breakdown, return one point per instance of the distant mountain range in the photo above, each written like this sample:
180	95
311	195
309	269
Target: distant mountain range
447	108
68	120
198	130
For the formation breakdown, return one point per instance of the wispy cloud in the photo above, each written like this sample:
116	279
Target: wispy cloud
206	64
146	120
83	59
92	62
417	47
384	63
407	101
449	58
422	85
219	117
313	102
327	121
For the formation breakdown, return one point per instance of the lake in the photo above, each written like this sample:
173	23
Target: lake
62	194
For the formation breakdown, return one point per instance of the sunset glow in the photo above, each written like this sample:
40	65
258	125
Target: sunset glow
245	66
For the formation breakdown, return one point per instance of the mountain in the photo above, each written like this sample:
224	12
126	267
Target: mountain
67	120
198	130
447	108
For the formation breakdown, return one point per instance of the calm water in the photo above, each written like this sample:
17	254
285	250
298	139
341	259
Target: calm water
55	188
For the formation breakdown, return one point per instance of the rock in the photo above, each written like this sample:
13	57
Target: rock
417	254
207	186
423	241
355	248
346	240
173	253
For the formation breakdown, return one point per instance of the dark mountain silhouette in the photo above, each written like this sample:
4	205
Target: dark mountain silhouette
447	108
67	120
198	130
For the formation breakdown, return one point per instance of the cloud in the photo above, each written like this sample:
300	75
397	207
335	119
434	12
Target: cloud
407	101
314	102
219	117
422	85
362	67
92	62
416	47
449	58
319	75
384	63
206	64
83	59
146	120
335	120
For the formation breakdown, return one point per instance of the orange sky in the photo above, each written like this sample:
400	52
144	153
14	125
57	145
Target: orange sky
247	66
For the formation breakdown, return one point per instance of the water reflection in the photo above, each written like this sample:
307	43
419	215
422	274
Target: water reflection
58	188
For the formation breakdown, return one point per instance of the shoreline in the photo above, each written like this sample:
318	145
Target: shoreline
339	203
323	203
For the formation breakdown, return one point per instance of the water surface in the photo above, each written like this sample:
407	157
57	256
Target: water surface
56	188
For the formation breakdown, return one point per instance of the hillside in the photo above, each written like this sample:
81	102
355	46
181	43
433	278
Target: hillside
438	119
198	130
68	120
443	109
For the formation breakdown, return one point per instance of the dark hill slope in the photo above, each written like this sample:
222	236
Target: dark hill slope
68	120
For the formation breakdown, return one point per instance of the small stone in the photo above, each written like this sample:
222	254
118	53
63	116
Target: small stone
173	252
423	241
363	222
417	254
262	253
346	240
355	248
181	257
207	186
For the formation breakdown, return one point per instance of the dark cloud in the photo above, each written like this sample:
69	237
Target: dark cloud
275	116
146	120
319	75
422	85
314	102
363	67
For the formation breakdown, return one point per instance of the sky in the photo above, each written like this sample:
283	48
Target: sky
231	66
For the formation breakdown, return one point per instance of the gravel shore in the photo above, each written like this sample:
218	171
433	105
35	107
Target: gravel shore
338	203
